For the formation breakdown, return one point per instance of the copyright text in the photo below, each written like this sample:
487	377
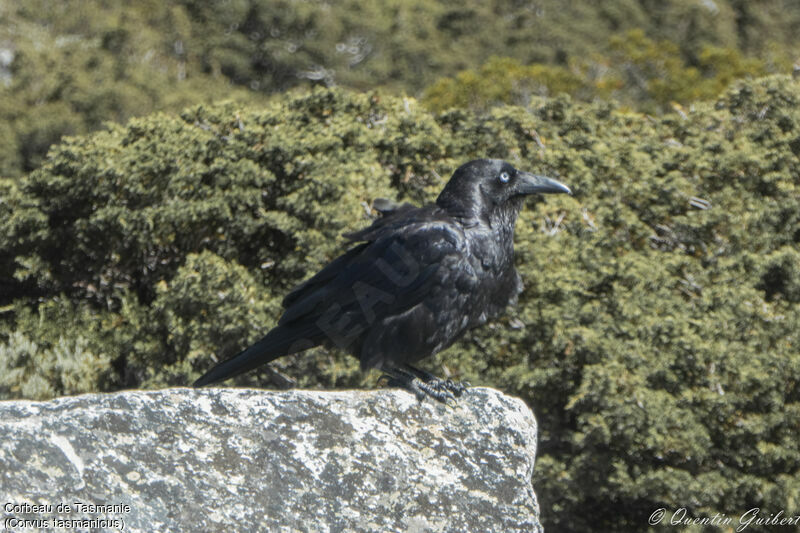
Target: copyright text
752	517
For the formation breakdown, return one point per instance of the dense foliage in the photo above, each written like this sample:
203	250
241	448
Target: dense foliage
639	72
656	340
67	67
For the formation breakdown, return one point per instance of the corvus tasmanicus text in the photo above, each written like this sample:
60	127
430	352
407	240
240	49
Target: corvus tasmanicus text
420	278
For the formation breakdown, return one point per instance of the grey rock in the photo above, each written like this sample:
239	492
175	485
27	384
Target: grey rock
252	460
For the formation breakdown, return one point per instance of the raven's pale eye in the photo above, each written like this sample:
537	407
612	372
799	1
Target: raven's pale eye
504	177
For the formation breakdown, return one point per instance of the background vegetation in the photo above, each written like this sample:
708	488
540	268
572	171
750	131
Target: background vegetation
67	67
657	337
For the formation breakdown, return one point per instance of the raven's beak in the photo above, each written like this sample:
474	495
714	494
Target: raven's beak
528	183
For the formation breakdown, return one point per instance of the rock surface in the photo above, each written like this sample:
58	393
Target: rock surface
251	460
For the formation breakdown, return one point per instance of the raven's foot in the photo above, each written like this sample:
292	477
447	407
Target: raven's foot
423	383
454	387
420	388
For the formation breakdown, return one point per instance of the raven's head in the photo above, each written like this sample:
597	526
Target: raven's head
492	190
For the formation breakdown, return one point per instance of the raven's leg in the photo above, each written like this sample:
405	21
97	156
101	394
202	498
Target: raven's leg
456	387
400	377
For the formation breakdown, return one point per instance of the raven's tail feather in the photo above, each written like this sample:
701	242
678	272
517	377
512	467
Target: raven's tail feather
283	340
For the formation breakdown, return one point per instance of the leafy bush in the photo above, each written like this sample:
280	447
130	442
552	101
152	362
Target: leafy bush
637	71
72	66
68	67
65	366
502	81
656	339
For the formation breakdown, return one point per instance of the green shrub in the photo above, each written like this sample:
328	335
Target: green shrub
59	362
229	299
635	70
67	67
77	64
501	81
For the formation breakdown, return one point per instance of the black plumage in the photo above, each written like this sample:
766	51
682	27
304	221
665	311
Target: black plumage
418	278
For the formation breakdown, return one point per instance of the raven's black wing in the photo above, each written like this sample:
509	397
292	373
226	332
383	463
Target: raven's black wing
409	256
394	216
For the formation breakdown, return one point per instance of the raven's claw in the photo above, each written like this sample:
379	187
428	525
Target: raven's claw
423	383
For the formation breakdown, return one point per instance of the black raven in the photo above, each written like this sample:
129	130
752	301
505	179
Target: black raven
418	279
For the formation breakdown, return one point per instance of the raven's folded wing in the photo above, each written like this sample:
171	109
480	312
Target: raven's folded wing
374	283
374	279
